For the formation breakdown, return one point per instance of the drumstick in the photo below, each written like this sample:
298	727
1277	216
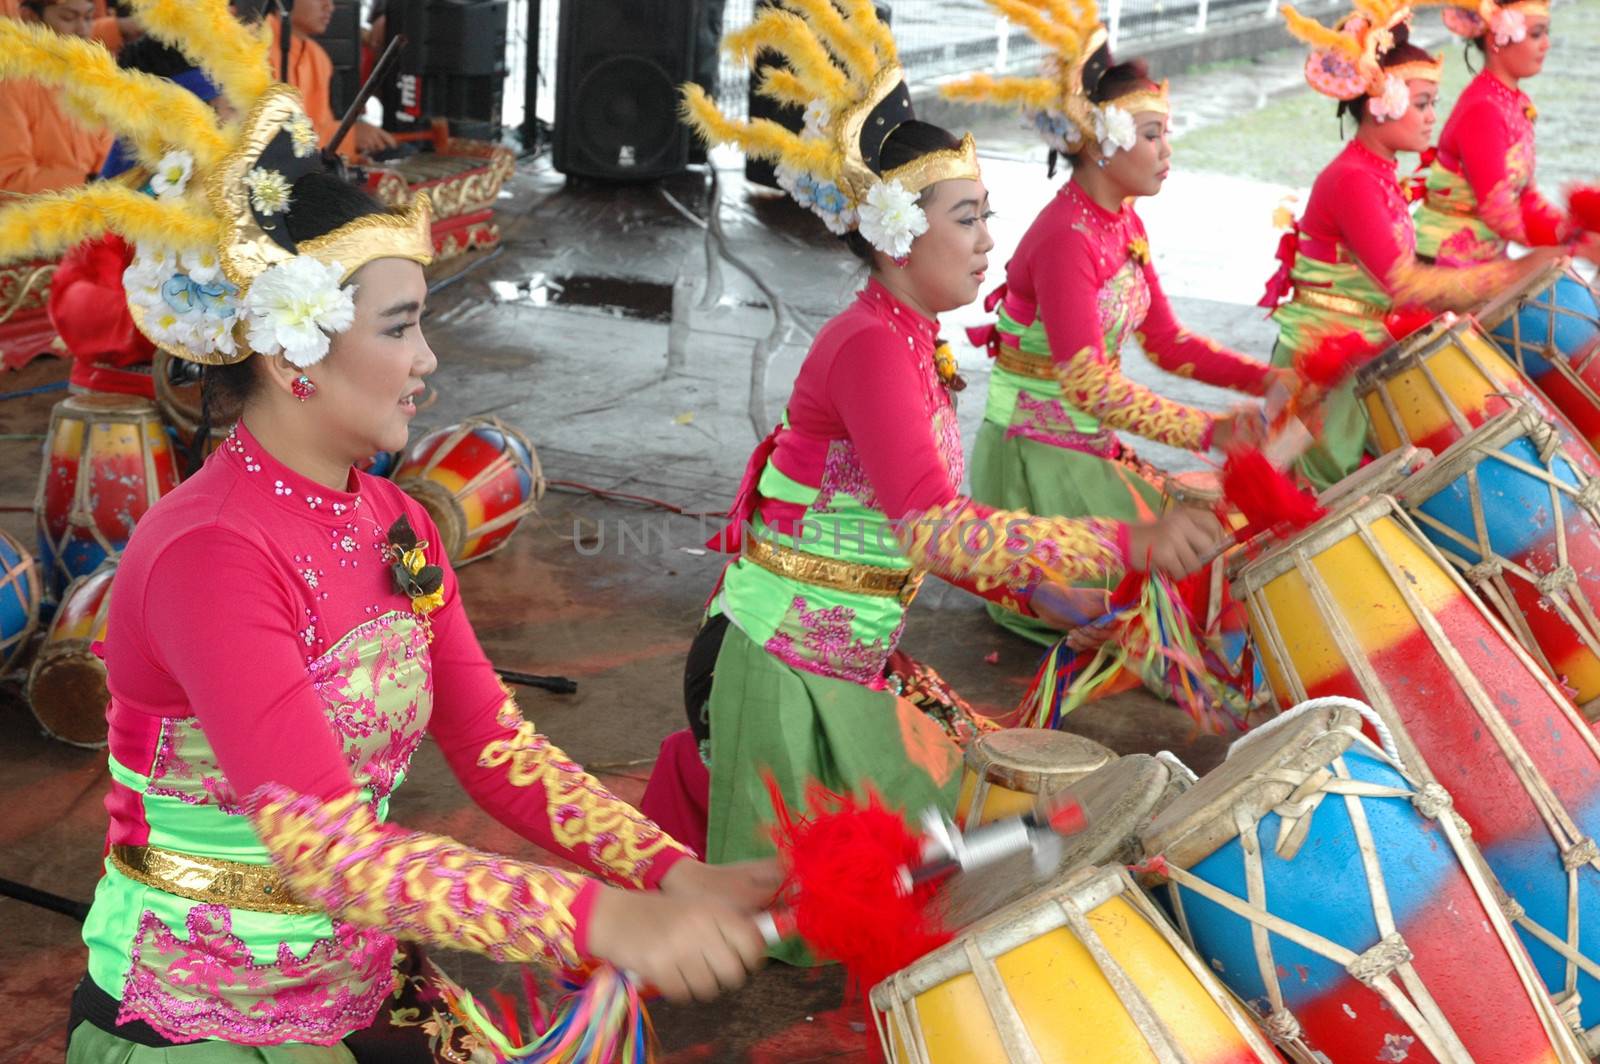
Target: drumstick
379	69
557	684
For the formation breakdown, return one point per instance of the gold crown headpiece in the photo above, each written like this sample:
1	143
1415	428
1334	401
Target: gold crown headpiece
215	224
843	69
1057	101
1346	60
1506	22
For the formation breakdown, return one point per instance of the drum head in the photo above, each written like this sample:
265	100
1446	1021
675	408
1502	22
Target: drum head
1381	476
1398	354
1257	776
1119	800
67	693
1034	760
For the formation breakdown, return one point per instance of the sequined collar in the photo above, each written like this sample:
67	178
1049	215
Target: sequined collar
1105	219
898	314
288	488
1364	156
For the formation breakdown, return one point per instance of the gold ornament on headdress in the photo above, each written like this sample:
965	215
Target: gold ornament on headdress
1476	18
1346	60
1057	99
207	220
843	69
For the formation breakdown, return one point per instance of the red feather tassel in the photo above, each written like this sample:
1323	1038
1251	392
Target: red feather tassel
1268	498
1584	203
1333	357
1402	321
843	857
1539	220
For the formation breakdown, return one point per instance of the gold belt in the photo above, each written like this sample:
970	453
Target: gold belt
833	573
1020	362
1458	208
257	888
1356	308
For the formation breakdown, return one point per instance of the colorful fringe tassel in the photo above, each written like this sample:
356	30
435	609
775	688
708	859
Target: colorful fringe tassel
600	1020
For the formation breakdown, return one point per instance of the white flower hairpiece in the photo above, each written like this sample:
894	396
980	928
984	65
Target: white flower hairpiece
1508	26
890	218
172	173
293	307
1393	102
269	190
1114	128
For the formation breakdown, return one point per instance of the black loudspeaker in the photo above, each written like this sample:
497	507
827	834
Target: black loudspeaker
452	66
342	41
760	171
618	69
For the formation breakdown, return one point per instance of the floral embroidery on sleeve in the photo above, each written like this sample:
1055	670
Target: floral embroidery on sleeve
1442	288
583	813
967	542
427	888
1094	385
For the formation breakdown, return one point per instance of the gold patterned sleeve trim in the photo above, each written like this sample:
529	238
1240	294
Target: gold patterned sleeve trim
599	829
1010	551
416	886
1460	288
1092	384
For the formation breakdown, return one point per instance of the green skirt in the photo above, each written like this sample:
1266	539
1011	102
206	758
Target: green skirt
90	1045
1016	473
1344	431
767	717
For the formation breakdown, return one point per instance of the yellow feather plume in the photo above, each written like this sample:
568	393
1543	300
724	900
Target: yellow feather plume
1317	35
864	20
855	54
761	137
153	113
788	34
47	225
781	85
1027	93
233	55
1067	41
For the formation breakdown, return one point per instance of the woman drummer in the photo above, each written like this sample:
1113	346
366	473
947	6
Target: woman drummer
1080	284
285	630
1352	255
857	492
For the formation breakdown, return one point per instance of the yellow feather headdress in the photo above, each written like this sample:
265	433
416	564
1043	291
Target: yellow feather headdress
1056	101
1346	60
211	233
842	68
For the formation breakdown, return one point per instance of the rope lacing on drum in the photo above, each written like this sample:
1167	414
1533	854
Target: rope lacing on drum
1509	905
1390	953
1431	799
1545	438
1589	494
1282	1027
1579	854
1556	580
1485	571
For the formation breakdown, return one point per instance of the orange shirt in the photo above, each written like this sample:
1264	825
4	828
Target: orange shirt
42	148
106	28
311	71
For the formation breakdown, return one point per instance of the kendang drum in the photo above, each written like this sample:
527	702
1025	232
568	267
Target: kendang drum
1437	385
1006	771
67	684
177	386
1084	971
1338	897
1509	511
107	460
1362	605
1223	628
1549	328
1117	801
477	480
20	592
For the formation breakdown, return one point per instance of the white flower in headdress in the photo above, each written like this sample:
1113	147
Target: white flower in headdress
295	306
891	219
1508	25
269	190
172	174
203	266
1114	128
1056	130
215	334
817	118
304	136
1393	102
167	325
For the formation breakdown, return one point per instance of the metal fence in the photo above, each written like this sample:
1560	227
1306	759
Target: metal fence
936	38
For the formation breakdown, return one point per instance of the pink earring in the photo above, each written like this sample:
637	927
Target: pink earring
303	387
901	260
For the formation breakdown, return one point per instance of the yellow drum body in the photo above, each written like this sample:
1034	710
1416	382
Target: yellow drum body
1007	771
1086	971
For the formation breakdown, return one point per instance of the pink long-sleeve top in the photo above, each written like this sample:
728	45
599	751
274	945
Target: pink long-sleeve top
263	662
1358	211
1085	273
